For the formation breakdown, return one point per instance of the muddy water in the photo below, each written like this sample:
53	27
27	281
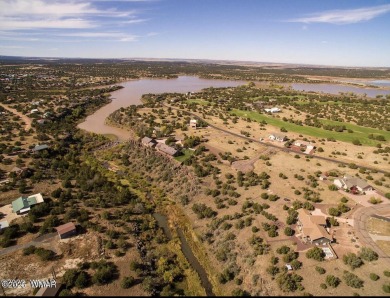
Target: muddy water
132	92
336	89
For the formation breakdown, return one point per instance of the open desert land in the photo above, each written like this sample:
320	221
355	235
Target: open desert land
232	193
291	178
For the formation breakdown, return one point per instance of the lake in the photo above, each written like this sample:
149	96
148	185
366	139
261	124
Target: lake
132	92
336	88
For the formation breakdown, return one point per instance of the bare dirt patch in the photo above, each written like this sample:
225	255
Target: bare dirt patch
384	245
378	226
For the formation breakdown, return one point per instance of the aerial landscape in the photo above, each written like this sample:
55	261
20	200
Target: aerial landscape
194	148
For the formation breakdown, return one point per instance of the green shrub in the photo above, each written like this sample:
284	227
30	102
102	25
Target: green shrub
315	253
127	282
353	280
320	270
368	254
288	231
352	260
69	278
82	280
386	288
29	250
374	276
283	250
332	281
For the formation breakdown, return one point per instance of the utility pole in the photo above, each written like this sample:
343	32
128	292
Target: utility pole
53	273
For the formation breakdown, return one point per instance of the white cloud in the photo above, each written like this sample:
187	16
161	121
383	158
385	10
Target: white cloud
134	21
12	47
34	14
42	8
152	34
117	36
348	16
69	23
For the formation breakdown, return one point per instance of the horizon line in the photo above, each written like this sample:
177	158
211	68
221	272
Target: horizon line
200	59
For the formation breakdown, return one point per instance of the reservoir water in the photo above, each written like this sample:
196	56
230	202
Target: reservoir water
336	89
132	92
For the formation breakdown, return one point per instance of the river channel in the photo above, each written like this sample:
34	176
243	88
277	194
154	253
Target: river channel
186	249
131	95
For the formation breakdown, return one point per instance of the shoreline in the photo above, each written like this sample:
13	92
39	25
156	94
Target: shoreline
135	88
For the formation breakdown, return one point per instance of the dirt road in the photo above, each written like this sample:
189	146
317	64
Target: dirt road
26	119
39	241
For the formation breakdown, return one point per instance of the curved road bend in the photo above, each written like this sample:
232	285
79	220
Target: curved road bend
360	217
271	145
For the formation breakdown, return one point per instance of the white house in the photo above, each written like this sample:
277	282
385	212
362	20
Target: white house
193	123
352	183
277	137
34	111
273	110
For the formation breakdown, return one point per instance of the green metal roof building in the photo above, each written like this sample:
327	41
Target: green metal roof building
23	204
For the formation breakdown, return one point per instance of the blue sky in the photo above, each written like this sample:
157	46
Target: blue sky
345	33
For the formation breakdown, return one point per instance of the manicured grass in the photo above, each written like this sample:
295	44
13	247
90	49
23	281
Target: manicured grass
198	101
359	132
187	154
300	102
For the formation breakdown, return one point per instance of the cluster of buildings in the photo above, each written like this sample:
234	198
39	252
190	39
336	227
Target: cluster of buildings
298	145
160	147
278	137
23	205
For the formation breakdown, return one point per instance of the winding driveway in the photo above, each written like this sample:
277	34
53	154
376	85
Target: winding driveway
26	119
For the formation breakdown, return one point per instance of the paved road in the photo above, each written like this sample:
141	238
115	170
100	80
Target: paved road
271	145
36	242
360	217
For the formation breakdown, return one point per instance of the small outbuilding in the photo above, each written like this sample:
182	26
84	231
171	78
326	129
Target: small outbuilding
52	291
67	230
4	224
193	123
